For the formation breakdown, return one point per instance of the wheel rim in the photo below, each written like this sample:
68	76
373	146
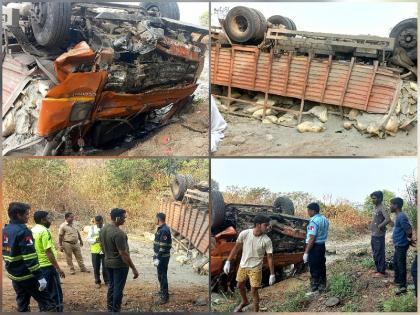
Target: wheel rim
240	24
39	13
408	38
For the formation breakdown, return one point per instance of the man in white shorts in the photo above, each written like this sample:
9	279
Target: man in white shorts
254	244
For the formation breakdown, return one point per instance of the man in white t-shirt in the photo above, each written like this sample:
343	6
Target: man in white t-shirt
254	244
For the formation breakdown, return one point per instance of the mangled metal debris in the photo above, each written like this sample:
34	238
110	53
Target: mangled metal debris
113	71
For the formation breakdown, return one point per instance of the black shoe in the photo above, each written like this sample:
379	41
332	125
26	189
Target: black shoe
322	288
400	291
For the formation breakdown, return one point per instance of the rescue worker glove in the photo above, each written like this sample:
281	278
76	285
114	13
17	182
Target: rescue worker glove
226	267
305	258
155	262
272	280
42	284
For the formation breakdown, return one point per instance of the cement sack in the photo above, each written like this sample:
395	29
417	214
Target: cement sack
9	124
311	126
272	119
261	98
218	126
347	125
268	112
321	112
353	114
287	118
392	124
253	109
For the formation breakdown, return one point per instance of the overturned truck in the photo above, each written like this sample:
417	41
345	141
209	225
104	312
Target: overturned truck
187	213
266	67
287	234
81	76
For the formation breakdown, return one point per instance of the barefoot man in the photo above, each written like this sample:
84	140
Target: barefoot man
254	244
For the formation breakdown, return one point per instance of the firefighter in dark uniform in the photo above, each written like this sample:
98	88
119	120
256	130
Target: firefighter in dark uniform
162	248
21	261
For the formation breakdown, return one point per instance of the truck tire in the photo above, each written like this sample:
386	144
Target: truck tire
50	23
405	34
284	205
217	209
244	25
259	36
179	187
190	181
285	21
166	9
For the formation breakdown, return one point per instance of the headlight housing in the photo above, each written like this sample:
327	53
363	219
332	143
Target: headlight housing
80	111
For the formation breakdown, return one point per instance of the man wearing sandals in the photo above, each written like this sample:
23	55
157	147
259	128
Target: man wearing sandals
254	244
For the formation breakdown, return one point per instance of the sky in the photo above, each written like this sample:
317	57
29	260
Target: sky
190	12
354	18
351	179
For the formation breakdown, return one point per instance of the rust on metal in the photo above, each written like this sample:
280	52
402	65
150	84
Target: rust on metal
189	221
375	65
331	82
176	48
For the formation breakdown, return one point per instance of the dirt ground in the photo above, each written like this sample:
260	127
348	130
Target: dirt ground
187	136
372	291
275	140
80	294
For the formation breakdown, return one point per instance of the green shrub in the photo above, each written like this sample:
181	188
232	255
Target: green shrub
295	301
341	286
402	303
352	306
368	262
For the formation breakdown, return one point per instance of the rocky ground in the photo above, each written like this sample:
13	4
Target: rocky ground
323	132
351	287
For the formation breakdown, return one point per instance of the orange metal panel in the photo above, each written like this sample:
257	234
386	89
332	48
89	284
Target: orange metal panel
56	107
66	63
113	104
287	78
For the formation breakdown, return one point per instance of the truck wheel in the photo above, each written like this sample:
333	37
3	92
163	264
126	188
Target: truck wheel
279	19
50	23
166	9
243	25
405	34
179	187
217	209
284	205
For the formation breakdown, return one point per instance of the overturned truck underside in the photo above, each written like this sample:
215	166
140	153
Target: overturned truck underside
287	234
120	72
261	68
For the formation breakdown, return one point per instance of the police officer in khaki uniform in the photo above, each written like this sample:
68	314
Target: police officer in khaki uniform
69	238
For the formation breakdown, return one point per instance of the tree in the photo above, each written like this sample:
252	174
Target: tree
368	205
204	19
410	205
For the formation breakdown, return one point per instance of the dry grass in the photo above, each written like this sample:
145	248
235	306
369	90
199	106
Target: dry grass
91	186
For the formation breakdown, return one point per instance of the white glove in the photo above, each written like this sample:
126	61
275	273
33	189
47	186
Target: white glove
305	258
155	262
42	284
226	267
272	280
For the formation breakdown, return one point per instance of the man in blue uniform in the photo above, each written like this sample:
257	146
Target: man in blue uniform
162	248
401	236
21	261
316	236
